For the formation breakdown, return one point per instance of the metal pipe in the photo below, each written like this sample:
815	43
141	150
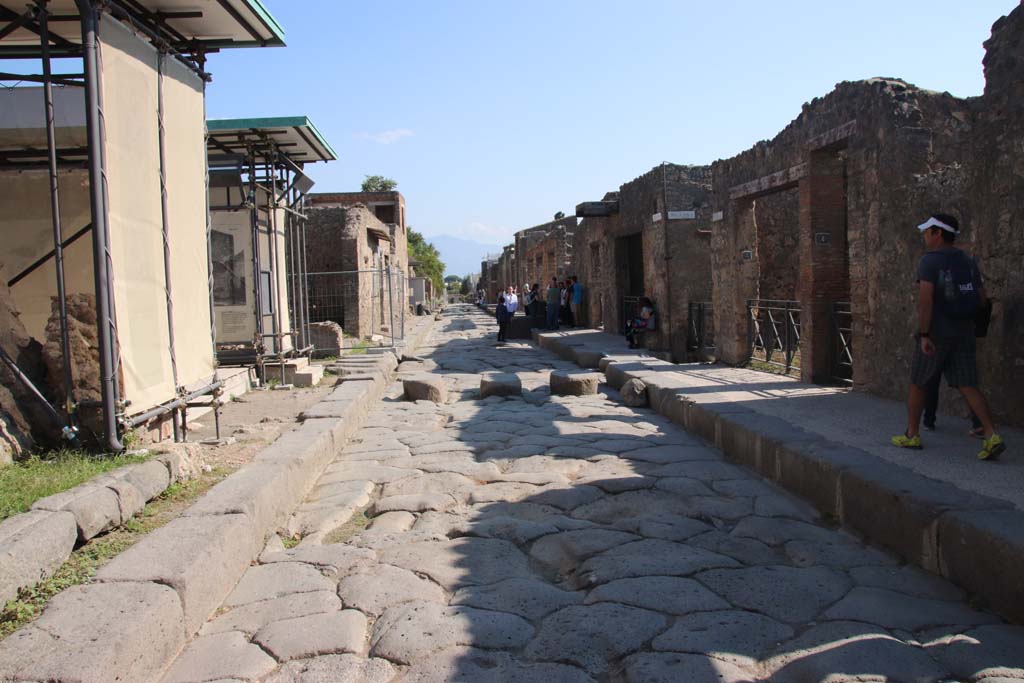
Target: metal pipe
165	222
305	282
209	237
257	288
58	240
98	206
174	404
47	406
391	308
275	288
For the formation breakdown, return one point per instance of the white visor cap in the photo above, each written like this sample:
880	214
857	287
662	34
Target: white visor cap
934	222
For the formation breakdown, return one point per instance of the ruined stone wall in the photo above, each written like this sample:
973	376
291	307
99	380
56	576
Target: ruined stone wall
995	186
546	255
777	224
867	163
593	264
337	242
22	422
676	266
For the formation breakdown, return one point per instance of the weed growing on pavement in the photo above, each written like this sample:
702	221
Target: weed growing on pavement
353	526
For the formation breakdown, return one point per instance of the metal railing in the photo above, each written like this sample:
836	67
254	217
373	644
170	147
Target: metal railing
700	335
773	332
842	346
365	303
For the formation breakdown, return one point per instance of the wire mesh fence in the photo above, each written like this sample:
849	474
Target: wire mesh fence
355	309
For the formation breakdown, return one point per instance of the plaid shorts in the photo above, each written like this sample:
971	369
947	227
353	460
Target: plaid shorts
954	357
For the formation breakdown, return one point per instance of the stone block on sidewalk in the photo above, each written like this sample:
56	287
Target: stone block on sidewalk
92	633
574	382
95	508
500	384
634	393
199	557
32	546
425	387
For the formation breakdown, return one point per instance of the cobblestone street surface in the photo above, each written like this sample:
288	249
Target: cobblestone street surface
559	539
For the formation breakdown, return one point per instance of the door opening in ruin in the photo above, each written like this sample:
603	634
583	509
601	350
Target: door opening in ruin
629	275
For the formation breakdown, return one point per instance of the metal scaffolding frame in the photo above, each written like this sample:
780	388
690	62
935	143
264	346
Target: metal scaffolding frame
157	27
269	167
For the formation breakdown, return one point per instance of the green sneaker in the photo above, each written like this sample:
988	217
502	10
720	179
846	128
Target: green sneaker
991	448
904	441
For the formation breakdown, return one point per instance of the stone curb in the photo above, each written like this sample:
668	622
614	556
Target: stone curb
36	543
973	540
148	601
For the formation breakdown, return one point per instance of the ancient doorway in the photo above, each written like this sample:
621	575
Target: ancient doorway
629	276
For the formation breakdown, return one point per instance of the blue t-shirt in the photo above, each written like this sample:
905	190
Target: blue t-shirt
577	293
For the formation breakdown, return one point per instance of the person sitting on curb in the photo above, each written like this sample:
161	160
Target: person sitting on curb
950	292
644	323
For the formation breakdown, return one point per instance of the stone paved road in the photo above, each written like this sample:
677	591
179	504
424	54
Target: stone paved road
546	538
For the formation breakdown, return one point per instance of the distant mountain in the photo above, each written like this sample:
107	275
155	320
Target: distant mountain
461	256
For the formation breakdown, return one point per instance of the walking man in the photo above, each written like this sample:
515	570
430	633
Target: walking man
950	291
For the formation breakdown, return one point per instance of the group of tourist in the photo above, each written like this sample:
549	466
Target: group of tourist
559	303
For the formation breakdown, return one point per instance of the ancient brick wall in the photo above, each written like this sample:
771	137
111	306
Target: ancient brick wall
593	265
343	242
864	164
545	251
675	266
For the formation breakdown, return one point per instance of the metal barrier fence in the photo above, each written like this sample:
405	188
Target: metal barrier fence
700	336
842	347
773	332
365	303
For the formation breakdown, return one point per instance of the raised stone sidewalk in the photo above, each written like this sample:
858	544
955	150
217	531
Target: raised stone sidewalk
145	604
939	508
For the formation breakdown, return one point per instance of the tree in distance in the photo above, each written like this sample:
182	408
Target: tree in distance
378	183
559	215
428	259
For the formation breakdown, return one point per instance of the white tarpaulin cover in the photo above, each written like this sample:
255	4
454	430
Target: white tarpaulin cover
129	93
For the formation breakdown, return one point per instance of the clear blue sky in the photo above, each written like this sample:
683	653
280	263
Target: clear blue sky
493	116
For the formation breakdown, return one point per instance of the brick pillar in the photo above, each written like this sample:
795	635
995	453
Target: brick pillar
824	271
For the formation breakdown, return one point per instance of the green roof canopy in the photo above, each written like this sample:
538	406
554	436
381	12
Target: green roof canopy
294	136
184	24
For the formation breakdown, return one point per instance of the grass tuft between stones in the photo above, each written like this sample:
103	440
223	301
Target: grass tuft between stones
86	560
353	526
44	474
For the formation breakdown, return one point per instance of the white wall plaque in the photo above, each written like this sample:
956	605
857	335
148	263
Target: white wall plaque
656	217
681	215
717	216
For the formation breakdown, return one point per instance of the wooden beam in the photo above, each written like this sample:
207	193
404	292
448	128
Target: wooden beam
773	182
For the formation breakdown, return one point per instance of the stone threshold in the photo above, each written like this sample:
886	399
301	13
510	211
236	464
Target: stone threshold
973	540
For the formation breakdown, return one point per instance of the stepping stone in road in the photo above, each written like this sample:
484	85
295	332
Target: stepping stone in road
574	382
425	388
500	384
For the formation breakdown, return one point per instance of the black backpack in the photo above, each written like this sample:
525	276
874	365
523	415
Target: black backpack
958	287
